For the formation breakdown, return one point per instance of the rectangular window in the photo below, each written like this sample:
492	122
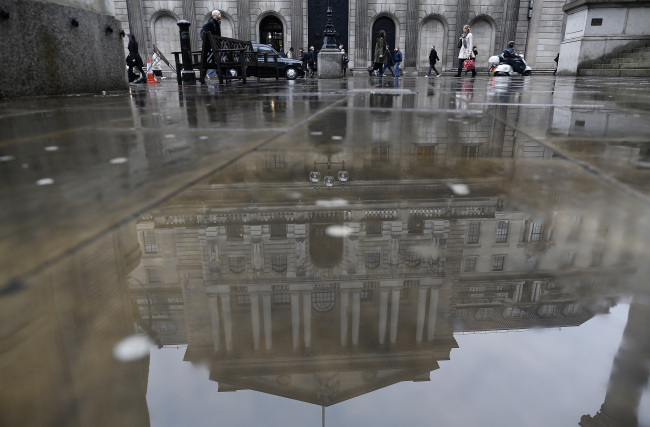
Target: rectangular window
380	156
531	264
279	263
283	298
416	225
537	232
596	22
278	230
373	228
473	229
274	159
502	232
373	259
235	231
153	275
425	155
469	264
497	262
470	152
150	242
547	310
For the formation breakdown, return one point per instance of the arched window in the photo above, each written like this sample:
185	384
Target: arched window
383	23
432	33
323	301
271	32
165	35
483	40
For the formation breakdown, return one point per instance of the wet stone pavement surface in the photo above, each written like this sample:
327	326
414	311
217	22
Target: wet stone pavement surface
363	251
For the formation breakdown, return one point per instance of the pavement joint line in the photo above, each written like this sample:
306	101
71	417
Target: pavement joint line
129	217
416	110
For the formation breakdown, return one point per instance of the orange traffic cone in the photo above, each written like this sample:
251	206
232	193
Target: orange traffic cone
150	76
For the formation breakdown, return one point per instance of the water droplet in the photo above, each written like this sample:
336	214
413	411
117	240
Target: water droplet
338	231
170	136
45	181
337	138
6	158
316	133
51	148
203	137
132	348
119	160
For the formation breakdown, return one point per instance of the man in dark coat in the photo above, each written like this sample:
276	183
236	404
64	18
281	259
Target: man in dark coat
433	57
311	61
213	26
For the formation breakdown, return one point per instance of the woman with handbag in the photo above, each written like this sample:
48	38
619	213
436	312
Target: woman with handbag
465	43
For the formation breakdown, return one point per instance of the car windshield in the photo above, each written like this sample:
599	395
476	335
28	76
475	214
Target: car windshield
264	49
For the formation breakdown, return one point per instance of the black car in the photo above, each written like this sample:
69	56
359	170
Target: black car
289	68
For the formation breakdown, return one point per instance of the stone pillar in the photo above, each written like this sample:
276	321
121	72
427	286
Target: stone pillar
345	301
136	25
422	308
213	303
433	312
394	315
227	322
244	18
295	319
462	19
412	27
361	58
189	14
510	26
306	312
383	314
356	315
297	26
255	320
268	331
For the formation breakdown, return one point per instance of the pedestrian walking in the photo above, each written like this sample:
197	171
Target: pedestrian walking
344	61
389	62
465	43
213	26
311	61
397	58
380	56
433	57
135	60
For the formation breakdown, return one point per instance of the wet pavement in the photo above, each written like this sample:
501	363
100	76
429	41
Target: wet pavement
470	252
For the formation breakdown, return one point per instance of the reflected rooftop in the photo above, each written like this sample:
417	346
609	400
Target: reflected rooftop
482	260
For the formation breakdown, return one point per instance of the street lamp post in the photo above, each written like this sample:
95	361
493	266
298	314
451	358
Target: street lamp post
329	180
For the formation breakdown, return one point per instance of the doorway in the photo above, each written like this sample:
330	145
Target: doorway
271	32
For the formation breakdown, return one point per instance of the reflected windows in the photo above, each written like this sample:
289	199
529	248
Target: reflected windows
425	155
416	225
484	313
572	309
531	263
366	293
237	264
513	312
235	231
373	228
547	310
537	232
412	259
153	275
373	259
323	301
473	230
278	230
150	241
470	152
283	298
243	299
469	264
596	259
502	232
497	262
379	156
279	263
275	160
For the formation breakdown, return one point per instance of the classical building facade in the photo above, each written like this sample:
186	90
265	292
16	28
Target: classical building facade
414	25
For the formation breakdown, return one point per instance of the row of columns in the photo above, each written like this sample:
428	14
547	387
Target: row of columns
222	312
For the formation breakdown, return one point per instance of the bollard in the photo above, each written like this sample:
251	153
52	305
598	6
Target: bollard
187	74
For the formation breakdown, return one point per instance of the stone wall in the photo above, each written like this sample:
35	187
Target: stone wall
47	55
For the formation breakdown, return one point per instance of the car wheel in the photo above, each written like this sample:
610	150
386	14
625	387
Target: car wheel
290	73
527	73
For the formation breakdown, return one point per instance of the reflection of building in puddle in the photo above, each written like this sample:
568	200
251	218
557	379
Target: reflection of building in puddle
323	303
